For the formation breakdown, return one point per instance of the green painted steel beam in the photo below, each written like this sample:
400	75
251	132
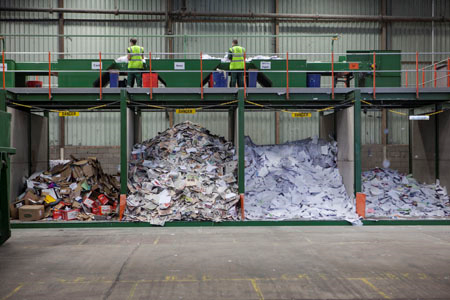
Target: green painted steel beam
5	164
123	142
241	142
2	100
114	224
192	98
186	98
357	141
410	141
47	115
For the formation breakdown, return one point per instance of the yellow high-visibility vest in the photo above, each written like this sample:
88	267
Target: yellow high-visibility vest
136	60
237	61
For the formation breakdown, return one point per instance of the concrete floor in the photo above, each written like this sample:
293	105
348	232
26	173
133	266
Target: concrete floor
227	263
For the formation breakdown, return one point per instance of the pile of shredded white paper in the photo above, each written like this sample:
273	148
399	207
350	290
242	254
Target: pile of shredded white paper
295	180
393	194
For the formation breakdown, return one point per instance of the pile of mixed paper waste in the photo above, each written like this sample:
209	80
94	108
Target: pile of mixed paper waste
392	194
295	180
76	190
185	173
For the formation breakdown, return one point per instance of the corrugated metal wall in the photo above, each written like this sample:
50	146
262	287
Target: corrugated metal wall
371	127
109	44
152	123
292	129
354	35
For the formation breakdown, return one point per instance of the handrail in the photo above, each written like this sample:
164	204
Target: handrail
287	71
222	53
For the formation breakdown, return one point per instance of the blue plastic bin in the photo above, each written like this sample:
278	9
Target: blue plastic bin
113	80
313	80
252	76
220	79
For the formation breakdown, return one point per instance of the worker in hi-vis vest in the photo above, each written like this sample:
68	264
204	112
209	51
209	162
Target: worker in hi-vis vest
135	63
236	55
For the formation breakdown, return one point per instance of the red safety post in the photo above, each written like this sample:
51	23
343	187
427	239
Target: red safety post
435	75
448	72
49	76
423	77
374	76
406	78
287	76
245	78
150	67
417	74
3	66
100	57
201	74
332	74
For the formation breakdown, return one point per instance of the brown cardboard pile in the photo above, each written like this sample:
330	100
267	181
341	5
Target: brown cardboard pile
77	190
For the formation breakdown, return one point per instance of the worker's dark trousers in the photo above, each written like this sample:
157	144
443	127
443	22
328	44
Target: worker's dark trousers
134	75
237	77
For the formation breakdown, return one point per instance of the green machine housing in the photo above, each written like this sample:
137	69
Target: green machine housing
5	151
186	72
387	60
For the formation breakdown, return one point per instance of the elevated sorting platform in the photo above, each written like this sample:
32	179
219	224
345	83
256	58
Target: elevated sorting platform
344	122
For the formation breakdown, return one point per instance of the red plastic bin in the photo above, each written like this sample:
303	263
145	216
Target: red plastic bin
34	84
150	80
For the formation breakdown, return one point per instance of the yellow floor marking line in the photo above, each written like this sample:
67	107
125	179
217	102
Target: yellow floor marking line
257	289
156	241
132	291
373	287
13	291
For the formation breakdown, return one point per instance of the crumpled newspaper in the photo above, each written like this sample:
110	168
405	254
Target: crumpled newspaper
393	194
185	173
295	180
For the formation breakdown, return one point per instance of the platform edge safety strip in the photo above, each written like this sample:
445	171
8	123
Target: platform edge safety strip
101	224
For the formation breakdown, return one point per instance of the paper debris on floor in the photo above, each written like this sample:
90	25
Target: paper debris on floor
185	173
74	190
393	194
295	180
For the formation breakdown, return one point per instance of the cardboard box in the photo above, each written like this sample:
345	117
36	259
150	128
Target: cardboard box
70	214
57	214
89	202
14	208
105	209
96	211
31	212
103	199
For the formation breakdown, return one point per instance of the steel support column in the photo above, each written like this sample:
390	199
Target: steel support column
437	107
410	138
357	137
232	125
123	142
61	30
276	27
47	115
241	148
